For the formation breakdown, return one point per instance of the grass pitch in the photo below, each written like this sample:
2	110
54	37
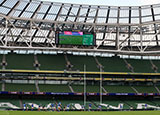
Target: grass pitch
80	113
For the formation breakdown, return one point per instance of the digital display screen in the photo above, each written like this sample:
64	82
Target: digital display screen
75	38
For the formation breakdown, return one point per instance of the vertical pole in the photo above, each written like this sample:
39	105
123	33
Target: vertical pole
84	86
100	85
117	30
141	33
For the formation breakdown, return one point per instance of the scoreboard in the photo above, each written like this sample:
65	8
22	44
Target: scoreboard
75	38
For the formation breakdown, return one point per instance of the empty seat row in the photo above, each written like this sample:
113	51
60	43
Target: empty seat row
59	62
79	88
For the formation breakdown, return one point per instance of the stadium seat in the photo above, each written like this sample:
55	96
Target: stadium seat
113	64
54	88
157	64
89	88
20	61
143	66
51	62
118	89
20	87
146	89
78	63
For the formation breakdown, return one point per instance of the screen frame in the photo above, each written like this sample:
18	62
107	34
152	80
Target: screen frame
57	38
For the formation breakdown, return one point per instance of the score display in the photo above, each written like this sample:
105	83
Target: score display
75	38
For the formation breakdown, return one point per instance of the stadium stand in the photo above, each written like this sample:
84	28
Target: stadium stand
114	64
54	88
78	63
157	64
89	88
144	89
20	87
92	88
31	49
20	61
119	89
139	65
79	88
51	62
58	62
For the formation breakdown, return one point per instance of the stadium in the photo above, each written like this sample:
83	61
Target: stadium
64	58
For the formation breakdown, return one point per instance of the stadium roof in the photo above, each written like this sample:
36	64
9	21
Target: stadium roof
31	24
109	2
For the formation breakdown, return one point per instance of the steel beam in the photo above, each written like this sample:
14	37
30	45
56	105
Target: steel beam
153	17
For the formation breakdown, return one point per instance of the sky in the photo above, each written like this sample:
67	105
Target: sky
110	2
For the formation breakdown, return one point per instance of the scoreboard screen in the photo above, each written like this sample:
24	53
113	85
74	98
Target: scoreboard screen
75	38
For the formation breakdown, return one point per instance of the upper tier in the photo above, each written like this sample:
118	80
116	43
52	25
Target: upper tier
69	62
67	12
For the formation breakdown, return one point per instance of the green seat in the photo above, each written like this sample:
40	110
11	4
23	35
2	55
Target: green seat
89	88
141	66
146	89
54	88
20	61
20	87
52	62
157	64
78	63
118	89
113	64
78	88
